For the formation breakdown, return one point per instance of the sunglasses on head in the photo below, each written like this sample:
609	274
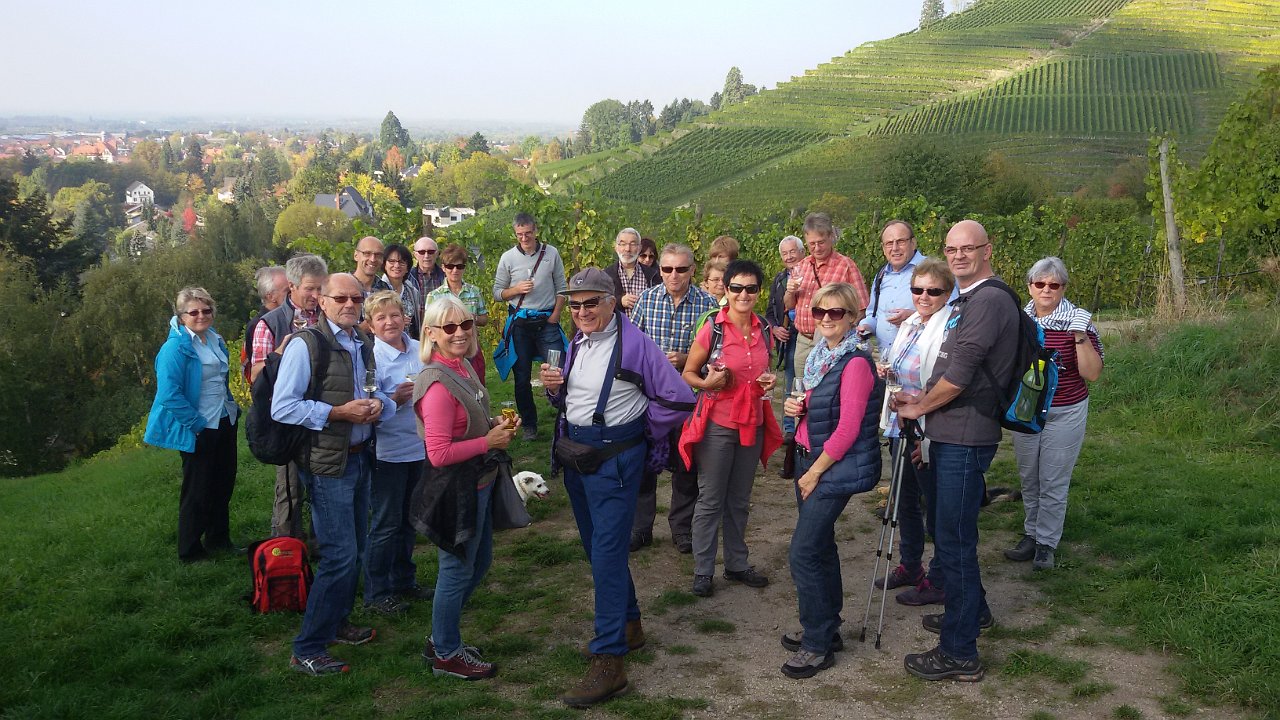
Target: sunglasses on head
1039	285
588	304
931	292
451	328
752	289
344	299
678	269
833	313
454	266
206	312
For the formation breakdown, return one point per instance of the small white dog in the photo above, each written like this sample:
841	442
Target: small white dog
530	484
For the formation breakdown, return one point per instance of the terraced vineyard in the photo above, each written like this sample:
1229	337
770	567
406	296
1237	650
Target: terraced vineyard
989	13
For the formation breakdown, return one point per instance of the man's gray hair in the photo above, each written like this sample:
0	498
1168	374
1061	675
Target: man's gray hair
300	266
678	249
265	280
628	231
1049	267
791	239
820	223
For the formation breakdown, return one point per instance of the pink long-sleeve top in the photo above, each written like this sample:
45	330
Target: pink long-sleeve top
856	383
444	420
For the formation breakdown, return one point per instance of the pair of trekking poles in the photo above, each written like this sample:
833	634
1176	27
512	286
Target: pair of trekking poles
889	525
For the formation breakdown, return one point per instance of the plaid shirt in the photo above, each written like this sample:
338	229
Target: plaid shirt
635	284
264	341
837	268
671	326
469	295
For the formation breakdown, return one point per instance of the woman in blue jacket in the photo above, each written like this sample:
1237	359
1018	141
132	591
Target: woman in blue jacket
195	414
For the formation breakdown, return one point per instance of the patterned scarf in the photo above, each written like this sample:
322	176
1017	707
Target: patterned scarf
823	358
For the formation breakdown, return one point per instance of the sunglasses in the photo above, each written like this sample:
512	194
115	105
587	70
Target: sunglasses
455	266
424	252
344	299
1039	285
678	269
206	312
833	313
931	292
588	304
451	328
748	289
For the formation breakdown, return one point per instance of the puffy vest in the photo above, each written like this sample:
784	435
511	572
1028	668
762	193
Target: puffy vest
329	448
859	469
279	321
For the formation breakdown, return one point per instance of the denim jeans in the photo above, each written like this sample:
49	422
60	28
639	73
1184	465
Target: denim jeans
339	512
961	483
789	373
815	569
918	490
604	505
531	341
459	576
388	558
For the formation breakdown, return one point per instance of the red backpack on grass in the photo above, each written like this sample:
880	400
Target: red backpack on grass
281	570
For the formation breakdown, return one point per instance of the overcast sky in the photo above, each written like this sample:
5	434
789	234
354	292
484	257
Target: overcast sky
506	60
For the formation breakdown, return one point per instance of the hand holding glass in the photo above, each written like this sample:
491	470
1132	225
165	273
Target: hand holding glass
370	381
555	358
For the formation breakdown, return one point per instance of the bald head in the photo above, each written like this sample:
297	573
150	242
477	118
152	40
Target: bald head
424	252
968	252
368	257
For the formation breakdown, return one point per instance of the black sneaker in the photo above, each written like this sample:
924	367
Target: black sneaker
1043	559
1023	551
388	606
703	585
349	634
417	592
937	665
748	577
683	543
902	576
805	664
322	664
792	640
933	622
639	540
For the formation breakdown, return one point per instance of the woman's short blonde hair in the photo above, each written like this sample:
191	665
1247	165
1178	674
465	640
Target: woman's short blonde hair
938	270
714	265
381	301
193	293
442	310
843	293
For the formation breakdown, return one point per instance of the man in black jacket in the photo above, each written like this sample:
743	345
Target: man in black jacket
630	278
792	251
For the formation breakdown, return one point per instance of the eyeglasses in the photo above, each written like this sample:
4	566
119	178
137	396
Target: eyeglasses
451	328
900	242
748	289
588	304
932	292
833	313
397	261
678	269
373	254
206	312
1039	285
966	250
454	266
424	252
344	299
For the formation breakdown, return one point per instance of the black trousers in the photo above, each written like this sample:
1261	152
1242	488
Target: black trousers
208	478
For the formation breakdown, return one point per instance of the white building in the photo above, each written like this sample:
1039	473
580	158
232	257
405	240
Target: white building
446	216
139	194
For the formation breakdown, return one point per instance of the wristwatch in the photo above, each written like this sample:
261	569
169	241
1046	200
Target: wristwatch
1082	340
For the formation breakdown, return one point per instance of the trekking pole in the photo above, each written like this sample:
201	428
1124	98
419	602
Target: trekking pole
890	517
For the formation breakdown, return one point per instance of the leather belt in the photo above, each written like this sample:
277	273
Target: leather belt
358	447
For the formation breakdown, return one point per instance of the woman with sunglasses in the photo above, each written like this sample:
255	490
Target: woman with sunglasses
395	273
733	427
1046	460
910	359
453	258
453	412
195	414
648	252
837	455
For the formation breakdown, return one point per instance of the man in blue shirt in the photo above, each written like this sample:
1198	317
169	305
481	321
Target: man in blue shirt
890	301
335	467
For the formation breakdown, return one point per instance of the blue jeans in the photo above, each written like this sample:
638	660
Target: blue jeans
459	576
604	506
918	488
959	470
815	569
388	559
339	508
531	341
789	372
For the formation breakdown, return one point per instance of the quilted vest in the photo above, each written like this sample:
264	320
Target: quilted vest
327	454
859	469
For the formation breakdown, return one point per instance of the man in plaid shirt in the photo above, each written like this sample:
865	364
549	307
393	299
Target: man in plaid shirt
823	267
667	313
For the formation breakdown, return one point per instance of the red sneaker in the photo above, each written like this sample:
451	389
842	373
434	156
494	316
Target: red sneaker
465	665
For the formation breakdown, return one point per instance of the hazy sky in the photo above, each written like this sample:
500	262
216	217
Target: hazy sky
497	60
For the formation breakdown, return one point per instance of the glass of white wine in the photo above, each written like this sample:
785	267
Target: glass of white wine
370	381
797	389
892	384
509	413
299	320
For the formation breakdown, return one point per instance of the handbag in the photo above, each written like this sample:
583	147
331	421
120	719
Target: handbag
586	459
504	356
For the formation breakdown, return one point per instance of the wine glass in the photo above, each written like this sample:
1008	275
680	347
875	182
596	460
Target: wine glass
766	377
555	358
370	381
797	389
299	320
893	385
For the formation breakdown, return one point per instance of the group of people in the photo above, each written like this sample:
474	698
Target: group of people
660	374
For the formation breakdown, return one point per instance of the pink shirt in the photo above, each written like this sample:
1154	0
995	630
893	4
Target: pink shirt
443	420
856	382
746	358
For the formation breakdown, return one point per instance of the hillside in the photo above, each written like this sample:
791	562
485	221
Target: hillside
1073	87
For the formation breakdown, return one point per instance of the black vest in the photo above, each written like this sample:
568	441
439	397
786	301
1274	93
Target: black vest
859	469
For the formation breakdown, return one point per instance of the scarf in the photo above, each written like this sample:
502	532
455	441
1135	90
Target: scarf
823	358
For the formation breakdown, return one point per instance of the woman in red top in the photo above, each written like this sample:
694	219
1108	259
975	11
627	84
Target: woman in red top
733	426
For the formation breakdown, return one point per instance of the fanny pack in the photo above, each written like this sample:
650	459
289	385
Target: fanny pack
586	459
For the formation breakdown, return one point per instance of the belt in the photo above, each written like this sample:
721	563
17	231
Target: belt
357	448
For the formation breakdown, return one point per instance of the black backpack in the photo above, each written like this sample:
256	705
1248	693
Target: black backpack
271	441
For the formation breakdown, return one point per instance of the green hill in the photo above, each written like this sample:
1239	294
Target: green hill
1073	87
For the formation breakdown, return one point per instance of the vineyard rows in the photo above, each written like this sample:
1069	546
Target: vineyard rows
1005	12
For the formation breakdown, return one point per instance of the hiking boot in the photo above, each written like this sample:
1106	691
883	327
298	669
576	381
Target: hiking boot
530	433
349	634
933	622
417	592
1043	559
640	539
388	606
923	594
465	665
683	543
792	640
902	576
805	664
1023	551
429	652
605	678
635	639
703	585
937	665
748	577
322	664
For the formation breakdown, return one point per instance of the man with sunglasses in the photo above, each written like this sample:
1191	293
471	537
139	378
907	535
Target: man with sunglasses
890	301
617	389
320	386
667	313
961	405
426	275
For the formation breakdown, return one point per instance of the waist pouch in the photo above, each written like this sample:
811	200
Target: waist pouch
587	459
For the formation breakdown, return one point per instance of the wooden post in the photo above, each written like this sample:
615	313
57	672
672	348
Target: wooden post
1172	240
1217	274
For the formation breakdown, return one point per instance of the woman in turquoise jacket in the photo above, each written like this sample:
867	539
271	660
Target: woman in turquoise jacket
195	414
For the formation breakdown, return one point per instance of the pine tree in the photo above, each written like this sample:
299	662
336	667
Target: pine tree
932	12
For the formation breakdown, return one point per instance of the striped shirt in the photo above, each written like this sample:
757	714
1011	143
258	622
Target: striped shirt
669	325
814	275
1059	328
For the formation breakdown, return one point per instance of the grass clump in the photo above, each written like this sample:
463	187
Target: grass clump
1025	663
1126	712
714	625
1087	690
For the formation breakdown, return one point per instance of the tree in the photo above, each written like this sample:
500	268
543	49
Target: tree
476	143
30	235
554	151
304	219
717	100
149	154
942	176
480	178
392	133
931	12
735	91
192	156
608	125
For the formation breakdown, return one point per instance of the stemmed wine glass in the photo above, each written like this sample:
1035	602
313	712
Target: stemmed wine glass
370	381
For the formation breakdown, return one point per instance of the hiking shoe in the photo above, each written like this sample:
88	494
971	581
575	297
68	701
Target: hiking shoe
417	592
933	622
805	664
683	543
640	539
530	433
604	679
792	640
937	665
923	594
703	585
465	665
349	634
902	576
429	652
322	664
748	577
1023	551
388	606
1043	559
